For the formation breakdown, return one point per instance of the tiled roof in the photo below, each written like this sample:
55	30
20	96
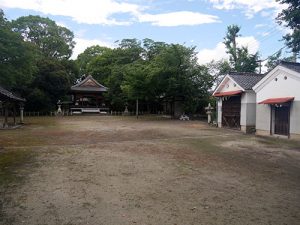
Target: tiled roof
7	95
246	80
291	65
96	87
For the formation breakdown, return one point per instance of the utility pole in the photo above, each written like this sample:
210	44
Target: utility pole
294	56
259	61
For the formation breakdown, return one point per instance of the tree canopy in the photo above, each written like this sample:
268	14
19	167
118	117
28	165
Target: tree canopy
34	61
239	57
53	40
290	18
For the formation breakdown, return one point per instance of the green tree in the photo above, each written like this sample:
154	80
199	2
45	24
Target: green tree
135	85
230	42
290	17
179	76
246	62
54	41
52	83
100	66
275	59
89	54
17	58
115	95
128	51
239	57
152	48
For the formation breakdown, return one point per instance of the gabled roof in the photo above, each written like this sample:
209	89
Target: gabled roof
89	84
7	95
246	80
291	65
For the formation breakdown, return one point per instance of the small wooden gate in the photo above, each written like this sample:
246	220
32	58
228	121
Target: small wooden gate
282	123
231	112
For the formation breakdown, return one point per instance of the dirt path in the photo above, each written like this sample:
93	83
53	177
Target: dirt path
110	171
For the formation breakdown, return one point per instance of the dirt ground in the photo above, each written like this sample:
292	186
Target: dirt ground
102	170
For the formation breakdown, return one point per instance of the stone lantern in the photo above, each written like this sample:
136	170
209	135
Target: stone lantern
126	112
59	111
209	109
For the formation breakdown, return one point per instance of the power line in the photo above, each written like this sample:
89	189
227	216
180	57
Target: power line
262	60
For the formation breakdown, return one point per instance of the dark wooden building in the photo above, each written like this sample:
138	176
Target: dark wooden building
88	97
236	101
9	103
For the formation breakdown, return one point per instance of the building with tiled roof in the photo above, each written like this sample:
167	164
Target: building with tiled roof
87	96
236	100
6	95
9	102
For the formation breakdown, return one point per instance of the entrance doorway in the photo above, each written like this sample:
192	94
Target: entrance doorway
231	112
282	120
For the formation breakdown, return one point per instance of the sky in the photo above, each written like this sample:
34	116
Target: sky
199	23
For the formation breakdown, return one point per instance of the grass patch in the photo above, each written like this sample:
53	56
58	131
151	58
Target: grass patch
10	162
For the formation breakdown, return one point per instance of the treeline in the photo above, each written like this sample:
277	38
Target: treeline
35	63
150	72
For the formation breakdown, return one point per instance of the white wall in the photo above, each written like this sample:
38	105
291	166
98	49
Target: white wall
219	108
228	85
280	88
289	87
263	117
248	108
295	117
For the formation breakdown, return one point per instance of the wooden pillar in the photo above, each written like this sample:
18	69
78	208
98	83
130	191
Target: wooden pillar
14	113
137	109
21	113
5	124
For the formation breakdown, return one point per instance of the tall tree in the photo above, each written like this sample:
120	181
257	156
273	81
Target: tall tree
52	83
239	57
290	17
230	42
178	75
152	48
53	40
136	83
17	64
85	58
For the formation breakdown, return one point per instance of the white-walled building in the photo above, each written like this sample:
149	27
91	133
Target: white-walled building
278	101
236	101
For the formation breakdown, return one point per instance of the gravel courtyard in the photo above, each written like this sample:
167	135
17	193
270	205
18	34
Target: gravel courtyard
102	170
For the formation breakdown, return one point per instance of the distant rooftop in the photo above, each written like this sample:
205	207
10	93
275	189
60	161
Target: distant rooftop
88	84
291	65
7	95
245	79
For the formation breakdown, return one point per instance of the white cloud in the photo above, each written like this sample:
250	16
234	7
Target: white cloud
82	44
179	18
219	52
250	42
105	12
260	25
62	24
87	11
250	7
